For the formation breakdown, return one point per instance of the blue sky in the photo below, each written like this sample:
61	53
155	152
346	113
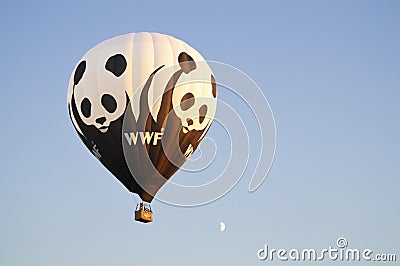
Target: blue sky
330	71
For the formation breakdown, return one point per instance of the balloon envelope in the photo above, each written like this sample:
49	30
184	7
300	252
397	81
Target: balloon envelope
141	103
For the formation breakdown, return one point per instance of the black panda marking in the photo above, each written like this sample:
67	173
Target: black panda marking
109	103
101	120
214	86
107	147
202	113
86	107
80	69
187	101
116	64
186	62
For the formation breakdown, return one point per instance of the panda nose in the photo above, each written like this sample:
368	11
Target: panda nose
189	121
101	120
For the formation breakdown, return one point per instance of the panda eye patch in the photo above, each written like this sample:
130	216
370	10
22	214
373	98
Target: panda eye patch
109	103
202	113
86	107
187	101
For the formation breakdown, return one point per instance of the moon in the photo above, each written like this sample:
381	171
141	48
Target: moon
221	226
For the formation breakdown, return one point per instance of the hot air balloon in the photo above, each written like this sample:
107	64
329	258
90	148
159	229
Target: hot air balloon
141	103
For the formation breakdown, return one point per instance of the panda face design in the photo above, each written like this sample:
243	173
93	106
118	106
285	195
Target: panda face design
106	103
101	111
194	99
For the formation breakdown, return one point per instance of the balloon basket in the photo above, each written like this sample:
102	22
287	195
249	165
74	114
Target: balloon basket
144	215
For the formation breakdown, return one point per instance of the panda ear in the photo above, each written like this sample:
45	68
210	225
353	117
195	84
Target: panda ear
214	86
80	69
186	62
116	64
